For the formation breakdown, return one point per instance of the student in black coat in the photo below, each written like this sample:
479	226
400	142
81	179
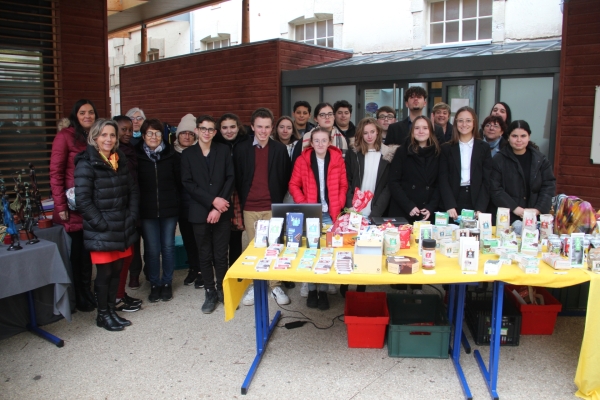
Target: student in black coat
522	176
207	175
413	184
160	181
465	166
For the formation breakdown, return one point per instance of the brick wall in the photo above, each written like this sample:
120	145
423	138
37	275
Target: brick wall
84	54
579	75
237	79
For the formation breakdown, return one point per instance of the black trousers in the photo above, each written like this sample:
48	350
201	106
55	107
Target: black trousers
81	261
189	242
135	268
235	246
212	241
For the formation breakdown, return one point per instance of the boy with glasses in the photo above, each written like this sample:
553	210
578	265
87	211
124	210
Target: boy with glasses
385	116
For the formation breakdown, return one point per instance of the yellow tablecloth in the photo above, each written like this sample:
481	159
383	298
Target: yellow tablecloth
447	269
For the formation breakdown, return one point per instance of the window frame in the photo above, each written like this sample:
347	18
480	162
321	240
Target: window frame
460	20
329	35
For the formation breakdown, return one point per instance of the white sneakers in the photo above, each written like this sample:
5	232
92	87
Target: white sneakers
331	289
248	299
279	295
304	290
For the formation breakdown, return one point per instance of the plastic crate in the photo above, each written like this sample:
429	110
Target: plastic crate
366	316
181	258
478	316
574	299
418	326
537	319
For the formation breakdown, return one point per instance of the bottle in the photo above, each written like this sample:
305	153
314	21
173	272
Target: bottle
428	254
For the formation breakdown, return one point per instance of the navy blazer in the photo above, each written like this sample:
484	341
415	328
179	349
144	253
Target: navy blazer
449	178
206	181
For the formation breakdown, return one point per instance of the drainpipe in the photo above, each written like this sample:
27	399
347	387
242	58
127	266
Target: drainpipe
245	21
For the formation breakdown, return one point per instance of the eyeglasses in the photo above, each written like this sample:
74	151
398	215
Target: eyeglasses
186	133
153	133
464	121
137	118
203	129
494	126
328	115
322	141
386	117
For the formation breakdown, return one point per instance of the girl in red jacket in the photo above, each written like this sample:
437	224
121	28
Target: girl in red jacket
319	176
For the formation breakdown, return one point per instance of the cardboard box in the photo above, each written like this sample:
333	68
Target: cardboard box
488	246
492	267
367	256
556	261
449	249
402	265
347	239
529	264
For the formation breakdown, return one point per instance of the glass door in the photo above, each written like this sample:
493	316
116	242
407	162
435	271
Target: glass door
374	96
458	94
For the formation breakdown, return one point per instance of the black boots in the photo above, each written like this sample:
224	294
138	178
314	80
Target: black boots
210	301
104	318
112	299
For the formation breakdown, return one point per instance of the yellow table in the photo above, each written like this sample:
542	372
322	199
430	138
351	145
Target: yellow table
448	271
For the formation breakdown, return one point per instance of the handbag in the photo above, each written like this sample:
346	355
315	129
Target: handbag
70	193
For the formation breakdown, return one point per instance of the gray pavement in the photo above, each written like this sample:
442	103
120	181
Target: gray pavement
172	350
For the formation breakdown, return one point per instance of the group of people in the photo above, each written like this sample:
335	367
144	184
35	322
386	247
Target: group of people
216	178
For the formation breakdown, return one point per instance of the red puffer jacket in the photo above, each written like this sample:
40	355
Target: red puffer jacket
62	176
303	186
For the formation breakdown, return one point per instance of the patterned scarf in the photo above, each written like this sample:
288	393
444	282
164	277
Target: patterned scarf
154	155
113	160
495	146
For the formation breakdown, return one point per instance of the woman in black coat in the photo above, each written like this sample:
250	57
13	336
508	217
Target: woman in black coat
207	175
413	183
465	166
522	176
160	183
107	198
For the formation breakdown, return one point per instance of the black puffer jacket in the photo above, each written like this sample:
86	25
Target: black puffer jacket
108	201
507	183
160	183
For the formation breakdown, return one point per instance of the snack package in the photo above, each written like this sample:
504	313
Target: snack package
361	199
441	232
441	218
449	249
530	242
323	265
492	267
293	227
529	264
263	265
576	250
343	262
508	240
313	233
275	226
468	223
404	232
502	220
261	233
459	233
283	263
468	255
594	260
529	219
468	214
402	265
355	222
391	242
556	261
488	246
546	225
417	229
485	225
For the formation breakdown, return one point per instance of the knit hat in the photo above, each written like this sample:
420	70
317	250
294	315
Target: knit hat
188	123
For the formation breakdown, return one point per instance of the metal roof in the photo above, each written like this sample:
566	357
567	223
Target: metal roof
446	52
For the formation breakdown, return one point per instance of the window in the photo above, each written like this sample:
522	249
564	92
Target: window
216	43
453	21
153	55
317	32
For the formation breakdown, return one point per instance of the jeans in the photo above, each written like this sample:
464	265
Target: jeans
327	219
159	240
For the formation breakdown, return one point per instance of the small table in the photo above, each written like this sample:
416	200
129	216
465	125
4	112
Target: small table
36	266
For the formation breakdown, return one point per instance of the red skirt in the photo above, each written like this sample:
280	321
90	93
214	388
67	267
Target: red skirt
105	257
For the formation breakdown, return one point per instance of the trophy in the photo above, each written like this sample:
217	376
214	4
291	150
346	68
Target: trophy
8	220
29	219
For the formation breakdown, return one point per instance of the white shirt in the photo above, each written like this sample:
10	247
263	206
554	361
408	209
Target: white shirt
321	165
466	150
370	176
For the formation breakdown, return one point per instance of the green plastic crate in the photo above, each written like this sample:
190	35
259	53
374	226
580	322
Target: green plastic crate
417	341
181	258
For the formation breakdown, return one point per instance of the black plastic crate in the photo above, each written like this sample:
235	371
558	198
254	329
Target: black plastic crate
478	315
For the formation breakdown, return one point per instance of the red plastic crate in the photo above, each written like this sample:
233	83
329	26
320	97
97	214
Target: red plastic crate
366	316
537	320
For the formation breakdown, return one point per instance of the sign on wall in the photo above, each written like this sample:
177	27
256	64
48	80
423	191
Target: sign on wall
595	151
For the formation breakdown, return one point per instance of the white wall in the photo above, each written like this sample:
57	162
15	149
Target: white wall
532	19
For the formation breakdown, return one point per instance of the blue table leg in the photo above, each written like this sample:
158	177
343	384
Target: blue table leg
491	377
263	328
32	326
452	305
456	340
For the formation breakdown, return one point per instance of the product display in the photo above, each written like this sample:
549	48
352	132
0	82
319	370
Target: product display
441	218
593	262
343	262
468	254
502	219
530	242
313	232
275	226
546	225
402	265
293	227
529	219
556	261
575	250
262	233
485	225
492	267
